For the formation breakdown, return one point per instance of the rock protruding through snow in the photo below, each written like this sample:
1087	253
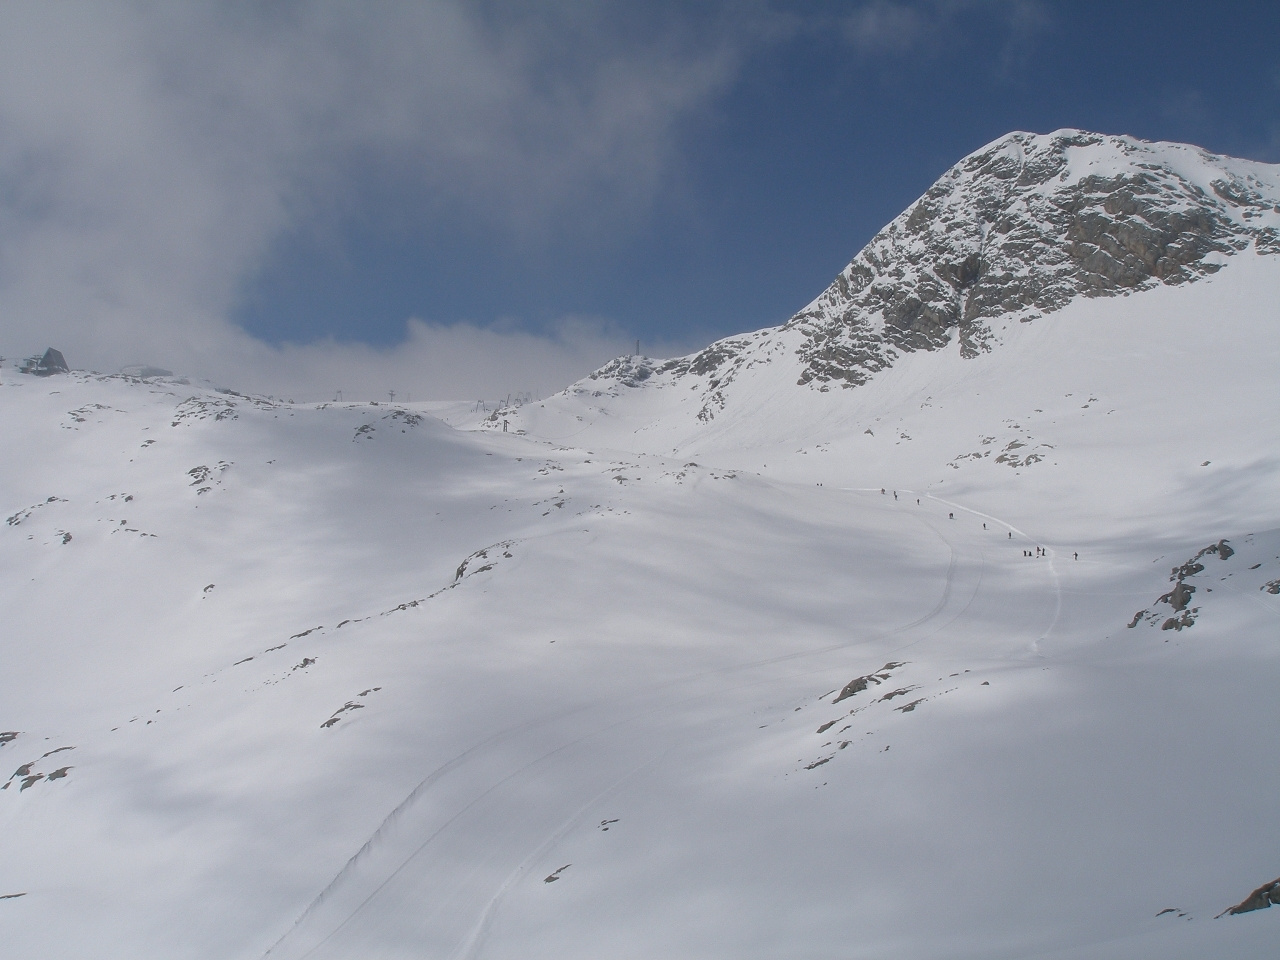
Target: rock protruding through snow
858	684
1261	899
1179	598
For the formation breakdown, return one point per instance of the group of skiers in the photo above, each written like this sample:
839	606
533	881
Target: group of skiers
1039	551
1042	552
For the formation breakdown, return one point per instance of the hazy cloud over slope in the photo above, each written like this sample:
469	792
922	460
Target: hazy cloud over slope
152	153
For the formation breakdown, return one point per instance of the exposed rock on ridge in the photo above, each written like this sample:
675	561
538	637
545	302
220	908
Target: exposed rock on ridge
1020	229
1261	899
1012	232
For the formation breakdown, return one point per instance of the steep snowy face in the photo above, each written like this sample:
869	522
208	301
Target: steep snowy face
1012	232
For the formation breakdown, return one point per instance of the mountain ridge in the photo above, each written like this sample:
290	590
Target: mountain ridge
1015	231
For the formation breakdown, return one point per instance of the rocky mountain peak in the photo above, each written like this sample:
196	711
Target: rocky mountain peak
1012	232
1022	227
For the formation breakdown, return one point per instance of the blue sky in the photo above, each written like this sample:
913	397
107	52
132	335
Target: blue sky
777	182
467	197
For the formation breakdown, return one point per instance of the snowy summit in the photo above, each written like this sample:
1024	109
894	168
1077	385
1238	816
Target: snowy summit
1017	230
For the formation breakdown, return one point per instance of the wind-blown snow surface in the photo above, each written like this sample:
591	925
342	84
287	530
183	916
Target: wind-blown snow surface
343	680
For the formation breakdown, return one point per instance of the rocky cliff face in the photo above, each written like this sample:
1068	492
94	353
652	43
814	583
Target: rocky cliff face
1011	233
1020	229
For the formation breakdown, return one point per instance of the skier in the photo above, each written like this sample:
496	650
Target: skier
951	516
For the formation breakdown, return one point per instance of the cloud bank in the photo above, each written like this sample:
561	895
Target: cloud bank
433	362
151	155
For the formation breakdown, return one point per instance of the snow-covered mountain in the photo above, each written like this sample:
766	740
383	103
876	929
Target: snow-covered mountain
1015	232
905	629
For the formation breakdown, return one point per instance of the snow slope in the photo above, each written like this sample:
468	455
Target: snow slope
346	681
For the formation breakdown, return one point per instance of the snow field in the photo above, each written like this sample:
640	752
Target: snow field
655	655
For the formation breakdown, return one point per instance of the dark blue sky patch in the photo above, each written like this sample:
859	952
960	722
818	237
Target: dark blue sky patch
828	129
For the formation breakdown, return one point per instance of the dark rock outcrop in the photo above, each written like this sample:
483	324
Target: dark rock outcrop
858	684
1260	899
1179	598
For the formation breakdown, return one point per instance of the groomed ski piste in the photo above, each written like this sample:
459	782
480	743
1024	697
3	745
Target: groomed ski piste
977	659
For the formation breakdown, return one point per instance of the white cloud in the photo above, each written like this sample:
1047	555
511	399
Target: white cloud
434	362
894	27
151	153
881	26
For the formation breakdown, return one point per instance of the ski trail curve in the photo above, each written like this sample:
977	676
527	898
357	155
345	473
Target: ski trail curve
470	948
643	702
1050	552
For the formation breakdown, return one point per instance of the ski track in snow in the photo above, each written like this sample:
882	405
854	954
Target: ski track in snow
470	948
1057	581
397	863
926	626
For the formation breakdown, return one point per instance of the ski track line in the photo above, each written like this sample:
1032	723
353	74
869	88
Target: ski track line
947	588
472	752
1248	596
646	710
1052	554
389	822
441	829
643	710
470	948
982	567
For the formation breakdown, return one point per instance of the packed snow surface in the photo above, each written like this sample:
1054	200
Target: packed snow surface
976	659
